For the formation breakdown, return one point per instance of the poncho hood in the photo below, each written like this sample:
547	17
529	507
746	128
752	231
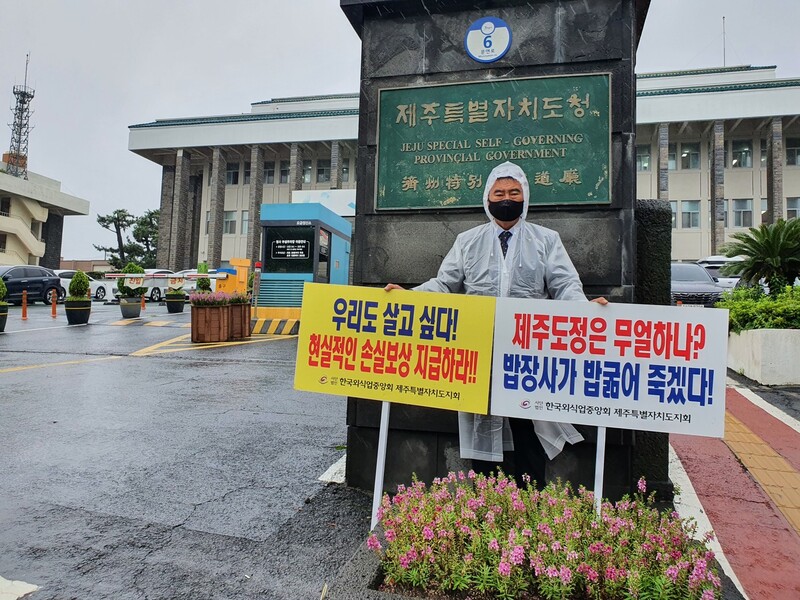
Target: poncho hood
507	169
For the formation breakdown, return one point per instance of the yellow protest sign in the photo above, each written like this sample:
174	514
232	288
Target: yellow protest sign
417	348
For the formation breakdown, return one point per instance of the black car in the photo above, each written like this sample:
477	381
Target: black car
39	282
691	285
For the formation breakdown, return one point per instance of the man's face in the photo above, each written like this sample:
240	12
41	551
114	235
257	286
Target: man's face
506	189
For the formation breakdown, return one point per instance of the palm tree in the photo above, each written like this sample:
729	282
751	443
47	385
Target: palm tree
771	252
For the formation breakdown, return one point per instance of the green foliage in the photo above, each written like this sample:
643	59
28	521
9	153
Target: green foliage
3	291
142	249
250	279
124	290
750	308
487	537
771	252
78	286
174	293
203	283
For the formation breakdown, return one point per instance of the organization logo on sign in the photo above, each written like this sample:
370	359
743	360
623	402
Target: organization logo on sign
487	39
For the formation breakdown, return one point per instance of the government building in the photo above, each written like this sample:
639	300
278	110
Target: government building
721	145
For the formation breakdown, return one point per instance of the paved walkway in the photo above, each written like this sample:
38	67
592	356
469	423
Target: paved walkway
749	487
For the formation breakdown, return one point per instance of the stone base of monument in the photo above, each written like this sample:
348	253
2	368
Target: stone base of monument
424	442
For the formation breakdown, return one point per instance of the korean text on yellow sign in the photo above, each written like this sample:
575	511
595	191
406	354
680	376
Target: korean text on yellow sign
417	348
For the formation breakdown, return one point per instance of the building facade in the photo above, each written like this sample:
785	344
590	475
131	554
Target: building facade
721	145
32	215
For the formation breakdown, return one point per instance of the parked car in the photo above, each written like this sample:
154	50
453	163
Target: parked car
38	281
190	285
713	264
101	289
157	286
691	285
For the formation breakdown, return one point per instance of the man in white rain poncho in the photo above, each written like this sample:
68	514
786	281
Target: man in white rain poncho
509	257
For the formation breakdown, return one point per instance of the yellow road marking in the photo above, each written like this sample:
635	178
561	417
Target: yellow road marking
159	323
176	345
60	364
125	322
154	347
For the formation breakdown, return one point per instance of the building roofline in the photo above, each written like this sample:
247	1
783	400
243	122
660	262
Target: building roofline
723	87
247	117
708	71
307	98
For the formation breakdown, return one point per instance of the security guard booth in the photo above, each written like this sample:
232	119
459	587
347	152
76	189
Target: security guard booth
300	242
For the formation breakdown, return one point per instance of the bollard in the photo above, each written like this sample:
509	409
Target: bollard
143	306
24	305
89	294
53	303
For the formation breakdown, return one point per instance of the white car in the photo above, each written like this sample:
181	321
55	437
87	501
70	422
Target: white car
101	288
158	286
190	285
713	264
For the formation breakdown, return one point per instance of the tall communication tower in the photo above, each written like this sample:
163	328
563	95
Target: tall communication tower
17	157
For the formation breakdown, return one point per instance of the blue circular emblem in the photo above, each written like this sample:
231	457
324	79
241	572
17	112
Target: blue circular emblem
487	39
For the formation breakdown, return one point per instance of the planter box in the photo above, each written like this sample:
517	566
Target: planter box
240	321
211	323
3	316
175	304
768	356
77	311
130	308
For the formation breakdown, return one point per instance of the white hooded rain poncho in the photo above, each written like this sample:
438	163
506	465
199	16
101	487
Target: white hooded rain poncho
536	265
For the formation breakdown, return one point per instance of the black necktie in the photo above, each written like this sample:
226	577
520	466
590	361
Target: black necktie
504	241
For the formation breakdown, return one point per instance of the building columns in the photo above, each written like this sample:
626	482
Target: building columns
254	208
775	202
180	210
193	220
217	208
52	234
663	161
296	167
717	191
165	216
336	165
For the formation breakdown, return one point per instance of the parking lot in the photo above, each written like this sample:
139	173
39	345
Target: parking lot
138	465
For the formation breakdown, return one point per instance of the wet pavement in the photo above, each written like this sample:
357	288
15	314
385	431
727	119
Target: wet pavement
137	465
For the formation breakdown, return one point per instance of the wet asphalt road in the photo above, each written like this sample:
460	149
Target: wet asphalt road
135	465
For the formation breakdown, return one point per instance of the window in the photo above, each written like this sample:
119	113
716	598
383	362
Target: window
323	256
741	154
208	220
763	210
245	222
229	222
673	204
690	215
672	157
306	171
763	153
232	173
246	173
690	155
345	170
269	172
642	158
724	213
284	171
793	152
743	212
2	242
323	171
5	206
792	208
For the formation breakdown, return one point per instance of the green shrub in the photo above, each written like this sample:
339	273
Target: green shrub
3	291
78	286
173	292
750	308
203	283
124	290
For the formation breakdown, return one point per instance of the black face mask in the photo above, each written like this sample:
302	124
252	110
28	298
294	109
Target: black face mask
506	210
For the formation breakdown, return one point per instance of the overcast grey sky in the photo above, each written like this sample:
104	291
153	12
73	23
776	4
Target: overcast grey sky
99	66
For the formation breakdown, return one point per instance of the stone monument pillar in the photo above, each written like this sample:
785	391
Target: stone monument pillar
450	89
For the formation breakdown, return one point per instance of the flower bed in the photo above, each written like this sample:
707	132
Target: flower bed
469	535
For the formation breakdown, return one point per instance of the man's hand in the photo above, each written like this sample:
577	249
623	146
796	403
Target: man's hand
393	286
601	301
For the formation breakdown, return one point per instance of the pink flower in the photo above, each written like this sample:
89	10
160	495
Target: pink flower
390	535
427	533
493	545
565	574
504	568
707	595
373	543
641	485
518	555
468	557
